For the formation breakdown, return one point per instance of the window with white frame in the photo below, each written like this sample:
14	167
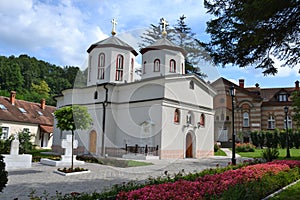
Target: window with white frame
192	85
245	119
190	118
282	97
101	66
177	116
156	65
172	66
289	122
271	122
119	68
4	133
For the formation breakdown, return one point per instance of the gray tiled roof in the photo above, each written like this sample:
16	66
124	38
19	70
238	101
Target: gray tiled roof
163	43
112	42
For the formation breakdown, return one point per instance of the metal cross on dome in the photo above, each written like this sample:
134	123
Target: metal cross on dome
164	23
114	23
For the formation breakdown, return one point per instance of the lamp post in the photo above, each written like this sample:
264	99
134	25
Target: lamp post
286	110
232	94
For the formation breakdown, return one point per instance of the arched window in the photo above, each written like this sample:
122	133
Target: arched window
156	67
172	66
101	65
192	85
177	116
132	69
202	120
271	122
289	122
90	67
96	95
245	119
144	67
119	68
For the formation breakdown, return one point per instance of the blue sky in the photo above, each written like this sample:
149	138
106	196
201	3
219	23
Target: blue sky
60	32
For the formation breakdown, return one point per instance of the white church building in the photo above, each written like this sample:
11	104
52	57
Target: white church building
167	113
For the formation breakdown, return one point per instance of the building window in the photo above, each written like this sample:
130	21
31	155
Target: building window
132	69
282	97
177	116
190	118
222	117
245	119
2	107
101	65
182	71
217	118
144	67
289	122
90	67
202	120
156	65
96	95
4	133
192	85
271	122
22	110
172	66
119	68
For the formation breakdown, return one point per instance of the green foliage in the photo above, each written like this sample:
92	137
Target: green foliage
3	174
244	147
254	138
35	79
296	107
70	118
270	154
26	145
244	33
216	147
262	187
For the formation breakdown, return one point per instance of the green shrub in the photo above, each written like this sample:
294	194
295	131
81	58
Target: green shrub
3	174
254	138
245	147
270	154
282	139
216	147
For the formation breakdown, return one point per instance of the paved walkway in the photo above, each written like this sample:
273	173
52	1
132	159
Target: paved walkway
41	178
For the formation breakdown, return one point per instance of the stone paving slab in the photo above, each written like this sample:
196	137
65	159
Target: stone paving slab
42	177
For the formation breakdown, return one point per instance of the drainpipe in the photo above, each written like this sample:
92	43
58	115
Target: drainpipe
104	104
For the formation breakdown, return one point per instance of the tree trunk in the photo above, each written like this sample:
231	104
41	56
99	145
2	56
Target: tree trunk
72	150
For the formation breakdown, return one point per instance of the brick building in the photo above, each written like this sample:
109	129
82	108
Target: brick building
256	108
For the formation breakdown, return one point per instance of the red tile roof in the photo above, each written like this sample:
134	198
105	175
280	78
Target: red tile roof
34	113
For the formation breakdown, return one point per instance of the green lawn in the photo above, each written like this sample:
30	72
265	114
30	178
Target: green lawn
220	153
291	193
295	154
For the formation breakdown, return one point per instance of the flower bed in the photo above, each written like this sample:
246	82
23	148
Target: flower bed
213	186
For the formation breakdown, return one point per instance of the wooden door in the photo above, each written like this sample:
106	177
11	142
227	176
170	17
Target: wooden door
93	142
189	146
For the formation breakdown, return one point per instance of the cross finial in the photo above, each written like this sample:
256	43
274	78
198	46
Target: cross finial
114	23
164	23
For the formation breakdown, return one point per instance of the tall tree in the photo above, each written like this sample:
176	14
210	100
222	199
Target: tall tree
254	32
70	118
296	107
185	38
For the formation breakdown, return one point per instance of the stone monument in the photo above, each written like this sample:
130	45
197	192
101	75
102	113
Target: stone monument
14	160
66	159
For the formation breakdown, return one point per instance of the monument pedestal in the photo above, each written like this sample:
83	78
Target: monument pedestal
65	161
14	160
17	161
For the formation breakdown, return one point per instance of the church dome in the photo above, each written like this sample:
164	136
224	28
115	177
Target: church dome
112	42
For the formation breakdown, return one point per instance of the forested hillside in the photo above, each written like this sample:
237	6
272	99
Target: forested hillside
34	79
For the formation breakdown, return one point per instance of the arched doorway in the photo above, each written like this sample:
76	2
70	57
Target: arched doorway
93	142
189	146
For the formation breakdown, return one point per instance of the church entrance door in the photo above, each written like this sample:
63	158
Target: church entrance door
189	146
93	142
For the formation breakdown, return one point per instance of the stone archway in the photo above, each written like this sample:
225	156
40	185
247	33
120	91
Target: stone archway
93	142
189	146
